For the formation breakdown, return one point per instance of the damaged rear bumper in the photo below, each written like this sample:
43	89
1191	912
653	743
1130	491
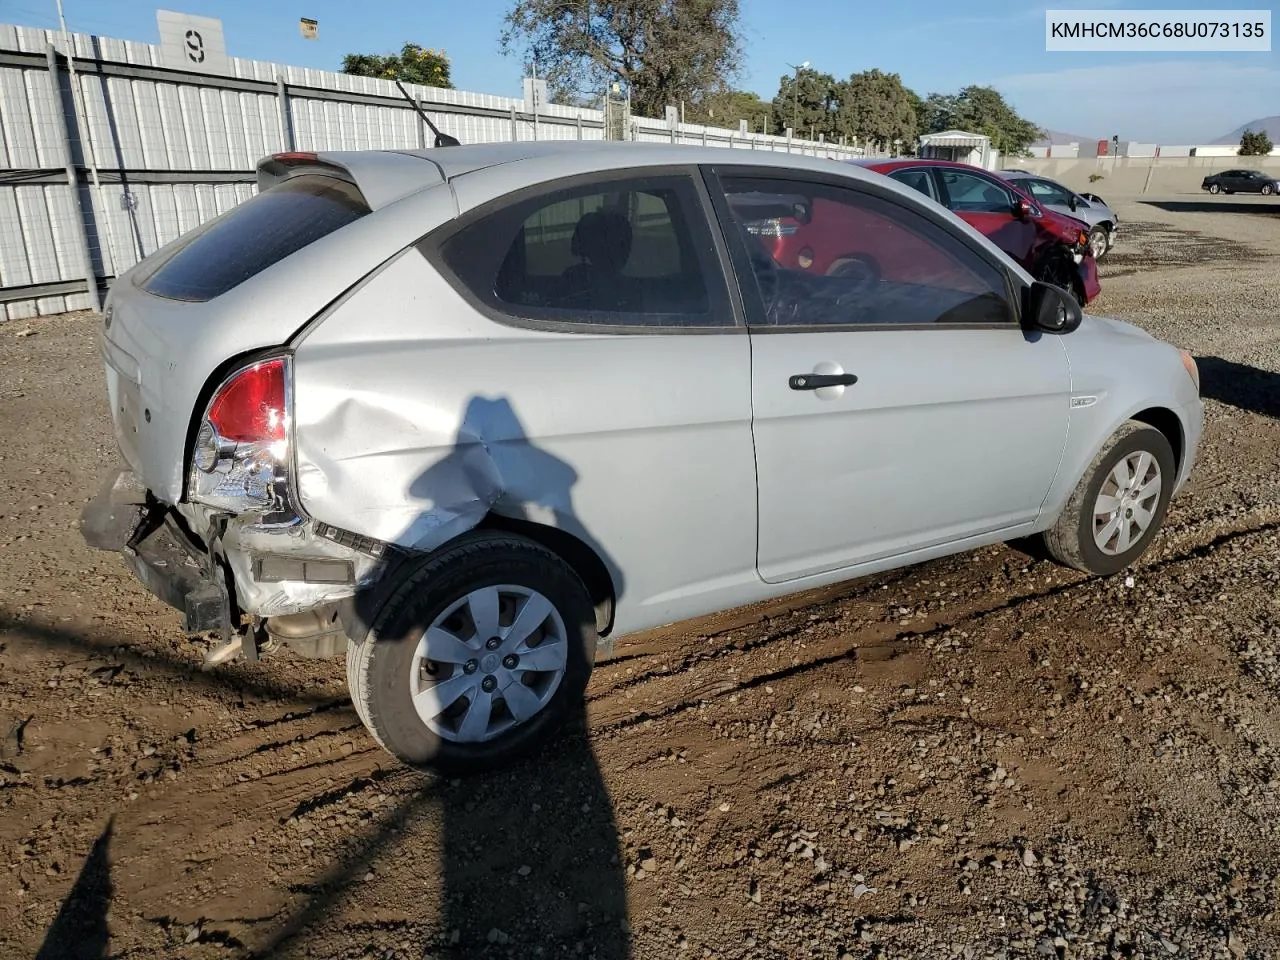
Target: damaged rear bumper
125	520
278	575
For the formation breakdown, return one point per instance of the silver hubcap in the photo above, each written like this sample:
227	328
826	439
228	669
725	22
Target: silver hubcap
1126	504
1098	244
488	663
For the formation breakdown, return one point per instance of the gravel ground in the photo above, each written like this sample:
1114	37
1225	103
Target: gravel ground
985	756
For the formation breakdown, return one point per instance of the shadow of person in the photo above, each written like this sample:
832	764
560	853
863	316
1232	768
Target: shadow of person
531	860
79	931
531	863
1240	385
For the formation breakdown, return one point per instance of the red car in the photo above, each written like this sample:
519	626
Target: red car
1049	245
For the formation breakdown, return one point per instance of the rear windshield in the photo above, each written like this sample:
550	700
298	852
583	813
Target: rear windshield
255	235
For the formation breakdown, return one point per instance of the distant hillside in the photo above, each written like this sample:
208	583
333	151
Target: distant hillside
1055	138
1268	125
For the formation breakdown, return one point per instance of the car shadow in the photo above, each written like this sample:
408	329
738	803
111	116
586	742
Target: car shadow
79	931
1240	385
1217	206
531	862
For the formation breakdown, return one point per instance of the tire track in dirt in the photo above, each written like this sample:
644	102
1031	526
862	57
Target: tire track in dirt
663	697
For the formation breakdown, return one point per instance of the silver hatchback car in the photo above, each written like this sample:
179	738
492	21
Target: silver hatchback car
1104	223
462	413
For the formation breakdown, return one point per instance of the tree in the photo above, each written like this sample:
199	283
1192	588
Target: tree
810	106
413	64
876	108
981	110
1255	144
726	109
664	51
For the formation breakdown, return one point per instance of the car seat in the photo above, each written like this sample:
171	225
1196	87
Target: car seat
602	240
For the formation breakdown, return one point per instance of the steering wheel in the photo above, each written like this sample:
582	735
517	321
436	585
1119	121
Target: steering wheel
856	266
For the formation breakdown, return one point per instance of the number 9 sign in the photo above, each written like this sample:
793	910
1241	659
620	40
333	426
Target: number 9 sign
195	46
192	43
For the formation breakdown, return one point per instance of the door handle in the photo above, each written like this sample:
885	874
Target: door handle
816	381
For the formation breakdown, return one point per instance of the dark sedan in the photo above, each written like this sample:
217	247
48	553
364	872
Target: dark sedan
1242	181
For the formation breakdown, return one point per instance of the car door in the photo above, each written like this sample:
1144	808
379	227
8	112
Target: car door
987	204
897	404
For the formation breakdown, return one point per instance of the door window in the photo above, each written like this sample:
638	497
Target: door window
1048	192
837	256
970	193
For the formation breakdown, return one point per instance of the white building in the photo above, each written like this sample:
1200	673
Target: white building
960	146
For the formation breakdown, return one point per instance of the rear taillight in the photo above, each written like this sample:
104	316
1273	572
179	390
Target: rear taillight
240	461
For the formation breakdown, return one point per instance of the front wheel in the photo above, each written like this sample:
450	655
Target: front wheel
1059	269
1119	503
1214	188
476	657
1099	242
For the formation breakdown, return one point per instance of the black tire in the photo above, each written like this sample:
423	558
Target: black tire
378	665
1070	540
1099	232
1214	188
1266	190
1059	269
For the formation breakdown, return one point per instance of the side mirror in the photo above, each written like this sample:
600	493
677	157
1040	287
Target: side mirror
1021	209
1050	309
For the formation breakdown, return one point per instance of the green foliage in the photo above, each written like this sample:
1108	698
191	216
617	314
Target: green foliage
809	102
876	108
663	51
726	108
413	64
978	109
1255	144
1095	177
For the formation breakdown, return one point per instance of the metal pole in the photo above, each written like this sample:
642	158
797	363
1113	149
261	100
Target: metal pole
77	103
73	183
535	98
515	129
286	124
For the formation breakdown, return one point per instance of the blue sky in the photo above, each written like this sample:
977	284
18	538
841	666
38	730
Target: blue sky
1164	98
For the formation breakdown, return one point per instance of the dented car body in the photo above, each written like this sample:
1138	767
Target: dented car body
543	379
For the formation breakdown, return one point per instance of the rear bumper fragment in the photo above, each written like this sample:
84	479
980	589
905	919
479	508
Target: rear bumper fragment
159	553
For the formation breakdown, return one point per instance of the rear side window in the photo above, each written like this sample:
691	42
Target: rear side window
255	235
633	252
917	180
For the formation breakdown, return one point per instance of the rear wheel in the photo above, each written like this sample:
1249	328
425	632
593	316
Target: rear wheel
1266	190
1119	503
476	657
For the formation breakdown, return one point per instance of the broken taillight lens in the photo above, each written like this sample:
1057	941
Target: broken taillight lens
240	461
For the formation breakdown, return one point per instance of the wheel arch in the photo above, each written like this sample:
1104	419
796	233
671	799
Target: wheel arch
1073	467
1168	423
574	551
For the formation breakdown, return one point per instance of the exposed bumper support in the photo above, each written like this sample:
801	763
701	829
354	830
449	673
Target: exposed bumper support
157	551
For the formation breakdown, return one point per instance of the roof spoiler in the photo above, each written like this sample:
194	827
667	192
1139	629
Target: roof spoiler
442	139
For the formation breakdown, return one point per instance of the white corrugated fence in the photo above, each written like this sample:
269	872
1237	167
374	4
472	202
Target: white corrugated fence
173	149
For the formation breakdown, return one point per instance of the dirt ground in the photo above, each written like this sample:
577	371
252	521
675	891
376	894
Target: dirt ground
984	756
